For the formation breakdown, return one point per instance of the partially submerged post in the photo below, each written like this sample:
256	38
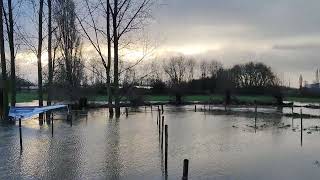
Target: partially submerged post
162	126
159	114
127	113
301	126
166	148
195	108
159	126
162	108
292	109
255	116
20	134
52	126
185	169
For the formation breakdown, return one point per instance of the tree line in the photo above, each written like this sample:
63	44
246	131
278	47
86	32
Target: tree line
61	28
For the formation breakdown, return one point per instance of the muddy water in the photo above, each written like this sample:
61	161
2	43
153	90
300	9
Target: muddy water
218	147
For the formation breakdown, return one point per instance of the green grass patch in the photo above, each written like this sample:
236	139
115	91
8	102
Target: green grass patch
29	96
303	99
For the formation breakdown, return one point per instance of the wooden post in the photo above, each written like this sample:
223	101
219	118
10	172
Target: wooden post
225	106
70	117
195	108
159	114
255	117
162	108
166	148
20	134
127	112
162	125
151	107
52	126
159	127
185	169
292	109
301	125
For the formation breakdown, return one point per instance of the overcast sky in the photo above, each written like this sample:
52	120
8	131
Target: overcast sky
284	34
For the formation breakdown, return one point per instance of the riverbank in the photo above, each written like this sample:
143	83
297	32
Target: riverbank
29	96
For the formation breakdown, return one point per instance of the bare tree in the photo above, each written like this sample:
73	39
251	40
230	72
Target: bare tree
70	47
127	15
10	31
4	103
97	41
50	67
39	53
177	69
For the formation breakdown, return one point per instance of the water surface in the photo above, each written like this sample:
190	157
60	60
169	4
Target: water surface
218	147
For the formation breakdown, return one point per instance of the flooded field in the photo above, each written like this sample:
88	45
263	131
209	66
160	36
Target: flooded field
218	146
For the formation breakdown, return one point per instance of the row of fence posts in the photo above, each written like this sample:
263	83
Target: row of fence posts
292	111
163	137
69	117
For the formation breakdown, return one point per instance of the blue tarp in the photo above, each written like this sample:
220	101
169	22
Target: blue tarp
25	112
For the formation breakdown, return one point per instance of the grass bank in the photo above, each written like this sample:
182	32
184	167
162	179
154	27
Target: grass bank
28	96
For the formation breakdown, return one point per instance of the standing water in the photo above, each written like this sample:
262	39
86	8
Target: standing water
217	146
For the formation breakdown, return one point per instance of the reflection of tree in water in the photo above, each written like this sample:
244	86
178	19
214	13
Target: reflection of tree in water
65	154
113	161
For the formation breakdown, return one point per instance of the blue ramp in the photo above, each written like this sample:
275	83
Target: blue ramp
26	112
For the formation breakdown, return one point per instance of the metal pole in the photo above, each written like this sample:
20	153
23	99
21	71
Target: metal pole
20	134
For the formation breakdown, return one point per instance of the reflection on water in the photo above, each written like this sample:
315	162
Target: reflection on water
218	147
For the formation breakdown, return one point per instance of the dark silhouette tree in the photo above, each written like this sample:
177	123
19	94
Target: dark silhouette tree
4	95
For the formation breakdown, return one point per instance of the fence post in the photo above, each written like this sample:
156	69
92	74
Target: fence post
255	117
127	112
20	134
52	126
301	125
162	127
162	108
166	148
185	169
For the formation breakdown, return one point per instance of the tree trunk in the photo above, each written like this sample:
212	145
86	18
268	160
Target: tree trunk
11	46
109	62
116	59
40	90
3	67
50	68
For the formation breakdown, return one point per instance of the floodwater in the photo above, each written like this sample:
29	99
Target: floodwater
218	147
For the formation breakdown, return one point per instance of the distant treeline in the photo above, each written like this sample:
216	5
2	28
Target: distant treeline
180	75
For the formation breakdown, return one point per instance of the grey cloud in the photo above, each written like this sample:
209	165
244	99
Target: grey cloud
310	46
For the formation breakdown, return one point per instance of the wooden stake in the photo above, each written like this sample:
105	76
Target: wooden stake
162	108
195	108
255	117
20	134
185	169
301	125
52	126
166	148
162	126
127	113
